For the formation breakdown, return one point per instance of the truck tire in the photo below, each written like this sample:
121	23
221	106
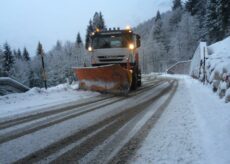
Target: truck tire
139	79
134	81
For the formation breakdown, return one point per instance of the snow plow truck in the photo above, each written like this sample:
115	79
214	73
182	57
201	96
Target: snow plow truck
115	62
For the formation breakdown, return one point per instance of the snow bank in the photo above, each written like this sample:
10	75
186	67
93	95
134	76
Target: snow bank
37	98
217	67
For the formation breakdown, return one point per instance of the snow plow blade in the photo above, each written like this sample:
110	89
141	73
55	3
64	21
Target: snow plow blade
106	79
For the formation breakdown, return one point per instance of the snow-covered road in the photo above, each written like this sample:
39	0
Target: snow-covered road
170	119
59	133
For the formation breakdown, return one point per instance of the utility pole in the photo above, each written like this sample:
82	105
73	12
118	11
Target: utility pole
43	70
40	52
204	67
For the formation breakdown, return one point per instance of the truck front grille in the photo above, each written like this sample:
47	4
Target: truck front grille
111	58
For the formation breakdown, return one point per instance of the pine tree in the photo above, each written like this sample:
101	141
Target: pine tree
1	52
8	59
201	16
198	9
98	21
157	31
1	62
40	50
15	54
102	22
177	13
26	55
32	80
223	17
19	54
78	40
212	26
176	4
158	16
88	33
58	46
192	6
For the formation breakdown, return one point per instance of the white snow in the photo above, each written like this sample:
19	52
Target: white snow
37	98
197	57
90	83
193	129
217	67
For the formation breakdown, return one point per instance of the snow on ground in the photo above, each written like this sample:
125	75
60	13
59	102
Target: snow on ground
193	129
37	98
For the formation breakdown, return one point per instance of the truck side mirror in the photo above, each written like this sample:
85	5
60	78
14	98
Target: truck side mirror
138	41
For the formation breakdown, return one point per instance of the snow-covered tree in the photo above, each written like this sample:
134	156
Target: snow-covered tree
19	54
8	59
157	31
168	38
192	6
78	40
38	66
1	62
58	45
35	72
211	23
198	8
223	17
98	21
20	71
176	15
89	31
176	4
26	55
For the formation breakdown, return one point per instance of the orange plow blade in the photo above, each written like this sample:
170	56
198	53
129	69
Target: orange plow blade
107	79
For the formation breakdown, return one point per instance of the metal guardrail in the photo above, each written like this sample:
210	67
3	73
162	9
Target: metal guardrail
9	85
181	67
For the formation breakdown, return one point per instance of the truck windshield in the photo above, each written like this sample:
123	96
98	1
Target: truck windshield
111	41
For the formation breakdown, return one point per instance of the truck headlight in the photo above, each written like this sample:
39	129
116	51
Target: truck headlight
90	49
131	46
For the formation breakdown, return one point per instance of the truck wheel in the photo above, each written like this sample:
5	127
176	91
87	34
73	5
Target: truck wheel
134	81
139	79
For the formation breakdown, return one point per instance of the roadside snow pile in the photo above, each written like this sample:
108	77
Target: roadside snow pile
217	67
37	98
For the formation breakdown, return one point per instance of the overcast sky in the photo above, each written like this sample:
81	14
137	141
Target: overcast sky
25	22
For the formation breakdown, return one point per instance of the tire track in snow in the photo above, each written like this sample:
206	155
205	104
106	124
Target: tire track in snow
132	146
30	128
58	109
85	147
9	123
